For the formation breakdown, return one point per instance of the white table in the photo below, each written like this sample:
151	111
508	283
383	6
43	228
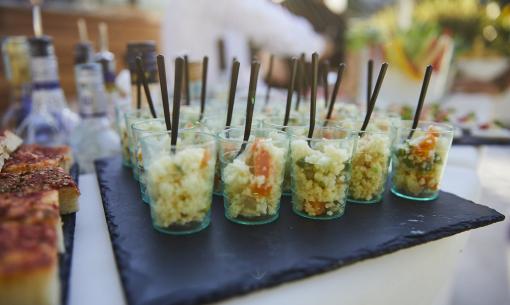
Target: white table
418	275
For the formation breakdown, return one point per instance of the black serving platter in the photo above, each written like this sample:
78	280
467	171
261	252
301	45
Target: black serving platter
69	222
228	259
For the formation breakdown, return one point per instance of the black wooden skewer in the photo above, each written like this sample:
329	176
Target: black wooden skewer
164	91
250	104
138	93
179	62
373	98
232	92
186	80
290	92
203	92
268	78
369	80
421	100
331	105
313	97
141	76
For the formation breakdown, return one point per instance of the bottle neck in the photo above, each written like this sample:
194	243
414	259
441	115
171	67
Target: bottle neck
45	73
91	94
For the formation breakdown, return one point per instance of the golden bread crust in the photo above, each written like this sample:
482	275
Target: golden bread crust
35	157
36	181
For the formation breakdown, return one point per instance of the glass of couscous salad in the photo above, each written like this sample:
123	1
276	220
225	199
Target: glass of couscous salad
179	180
320	171
418	161
252	174
141	129
371	159
120	125
131	117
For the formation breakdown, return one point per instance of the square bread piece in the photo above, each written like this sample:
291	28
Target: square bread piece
41	207
34	157
28	264
44	180
9	142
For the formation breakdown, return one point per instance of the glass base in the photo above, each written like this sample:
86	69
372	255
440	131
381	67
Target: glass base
422	199
145	196
253	220
356	201
304	215
184	229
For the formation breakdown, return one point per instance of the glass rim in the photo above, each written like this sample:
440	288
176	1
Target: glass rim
143	138
134	111
366	131
146	121
268	121
445	127
350	134
223	138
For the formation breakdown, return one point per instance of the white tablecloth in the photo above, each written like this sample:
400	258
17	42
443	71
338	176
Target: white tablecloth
419	275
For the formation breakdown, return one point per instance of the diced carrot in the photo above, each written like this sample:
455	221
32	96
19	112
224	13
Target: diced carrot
261	166
205	159
318	207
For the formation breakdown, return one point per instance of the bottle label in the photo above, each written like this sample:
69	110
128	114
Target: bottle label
91	95
44	71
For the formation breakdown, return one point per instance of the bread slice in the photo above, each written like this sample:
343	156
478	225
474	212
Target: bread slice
28	264
41	207
9	142
44	180
34	157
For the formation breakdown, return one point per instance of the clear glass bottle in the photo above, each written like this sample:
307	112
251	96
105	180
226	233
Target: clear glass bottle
107	61
50	121
147	51
16	59
94	138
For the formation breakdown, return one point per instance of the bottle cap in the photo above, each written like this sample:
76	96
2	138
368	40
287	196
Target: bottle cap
41	46
83	52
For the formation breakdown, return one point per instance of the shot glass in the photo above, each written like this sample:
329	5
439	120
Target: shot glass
252	174
179	180
419	158
130	118
371	159
320	171
141	129
120	125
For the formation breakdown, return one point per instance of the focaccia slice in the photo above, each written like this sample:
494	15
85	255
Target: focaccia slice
28	264
40	207
44	180
35	157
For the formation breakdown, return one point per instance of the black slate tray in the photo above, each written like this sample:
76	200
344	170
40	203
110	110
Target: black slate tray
65	259
227	259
